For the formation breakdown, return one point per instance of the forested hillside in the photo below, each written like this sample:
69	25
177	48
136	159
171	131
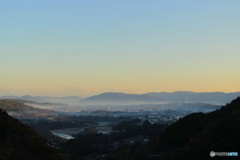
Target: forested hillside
20	142
195	135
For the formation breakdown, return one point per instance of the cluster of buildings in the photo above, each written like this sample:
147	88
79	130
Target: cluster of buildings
153	115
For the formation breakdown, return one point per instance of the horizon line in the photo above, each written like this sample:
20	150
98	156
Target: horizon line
117	92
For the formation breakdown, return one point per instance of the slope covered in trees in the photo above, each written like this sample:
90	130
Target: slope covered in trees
18	106
14	105
19	142
197	134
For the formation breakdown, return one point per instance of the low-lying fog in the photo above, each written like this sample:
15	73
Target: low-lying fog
111	106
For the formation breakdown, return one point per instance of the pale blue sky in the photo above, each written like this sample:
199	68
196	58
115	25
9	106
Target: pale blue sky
59	47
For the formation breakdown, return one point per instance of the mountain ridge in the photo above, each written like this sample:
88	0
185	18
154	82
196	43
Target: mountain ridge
178	96
119	96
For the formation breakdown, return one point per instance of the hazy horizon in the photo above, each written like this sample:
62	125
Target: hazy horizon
84	48
33	95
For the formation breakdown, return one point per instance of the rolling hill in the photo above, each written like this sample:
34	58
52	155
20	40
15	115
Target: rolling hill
18	107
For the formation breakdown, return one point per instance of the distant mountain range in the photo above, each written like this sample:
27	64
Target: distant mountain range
122	97
218	97
151	97
179	96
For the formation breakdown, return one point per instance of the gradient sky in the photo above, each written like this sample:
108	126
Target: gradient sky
86	47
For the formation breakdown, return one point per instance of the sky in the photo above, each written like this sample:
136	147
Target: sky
87	47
